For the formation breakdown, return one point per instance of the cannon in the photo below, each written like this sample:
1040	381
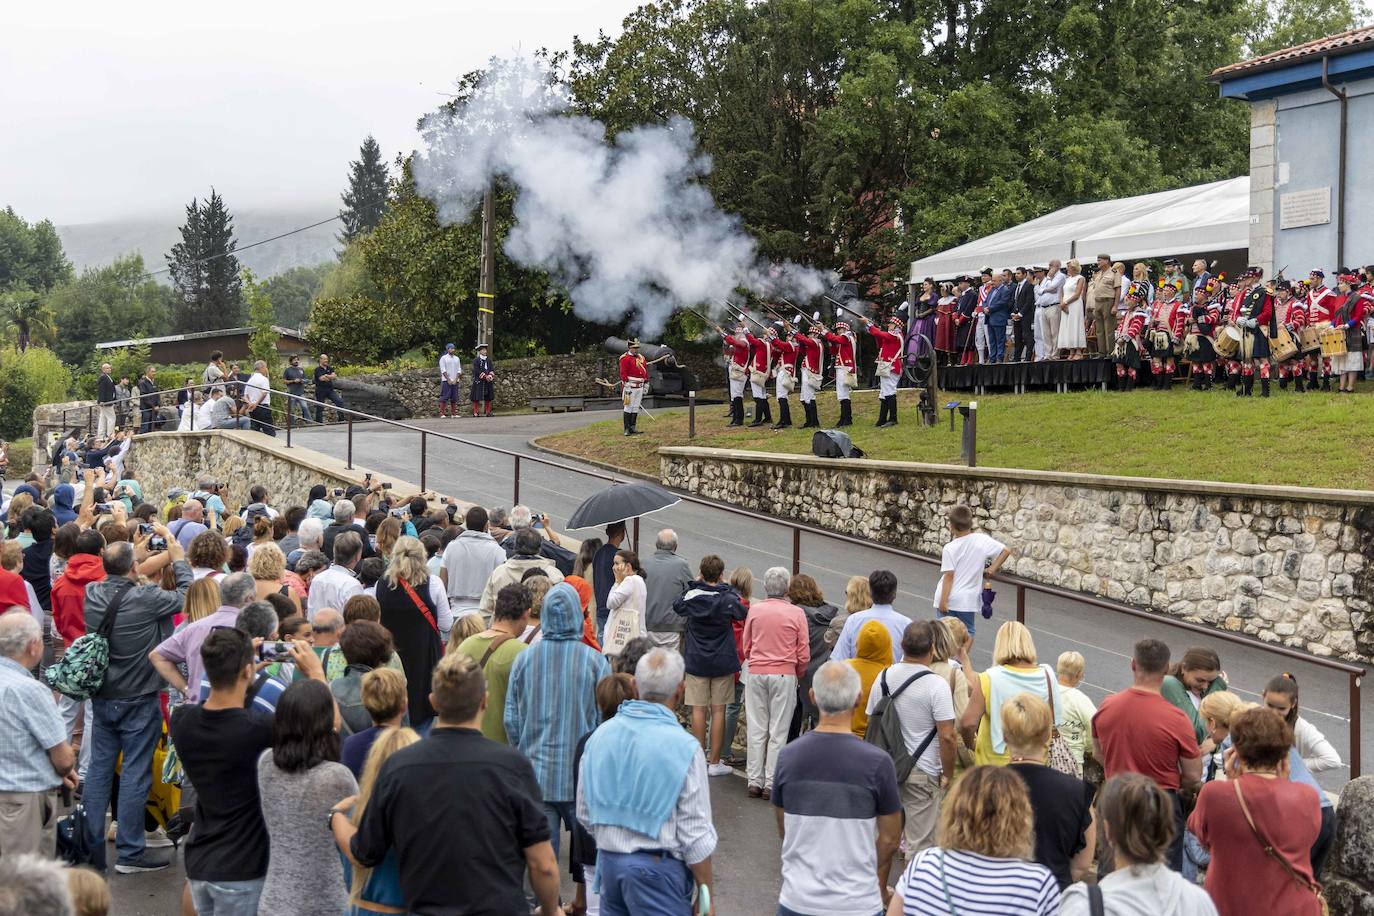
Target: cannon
666	377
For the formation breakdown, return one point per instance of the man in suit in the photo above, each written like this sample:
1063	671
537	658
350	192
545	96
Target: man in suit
966	319
1023	314
998	307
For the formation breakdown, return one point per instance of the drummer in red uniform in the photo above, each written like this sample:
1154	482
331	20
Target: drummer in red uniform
889	368
1130	337
634	379
1255	315
1203	322
737	349
812	357
785	371
842	349
1167	317
1321	302
1291	312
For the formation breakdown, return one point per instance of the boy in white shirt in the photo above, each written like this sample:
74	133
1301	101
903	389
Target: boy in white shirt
964	568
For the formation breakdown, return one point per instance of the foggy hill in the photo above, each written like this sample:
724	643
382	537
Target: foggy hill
97	244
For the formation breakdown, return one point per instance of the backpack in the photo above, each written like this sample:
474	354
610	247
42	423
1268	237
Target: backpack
885	728
80	672
73	846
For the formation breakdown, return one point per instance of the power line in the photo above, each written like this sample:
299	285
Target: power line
274	238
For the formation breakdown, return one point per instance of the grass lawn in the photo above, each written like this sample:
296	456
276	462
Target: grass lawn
1316	440
21	458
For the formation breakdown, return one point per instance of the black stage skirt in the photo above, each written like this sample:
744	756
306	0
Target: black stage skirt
1044	374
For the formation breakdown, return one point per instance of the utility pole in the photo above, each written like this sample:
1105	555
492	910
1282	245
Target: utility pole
486	294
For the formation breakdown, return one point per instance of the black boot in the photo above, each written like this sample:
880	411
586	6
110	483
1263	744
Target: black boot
1249	386
1283	383
1196	383
1167	381
767	411
784	414
1297	384
846	415
625	421
1326	382
892	410
737	412
808	408
1312	380
882	412
1130	383
1240	385
1264	387
758	414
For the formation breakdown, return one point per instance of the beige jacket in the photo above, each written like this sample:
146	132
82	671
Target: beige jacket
510	573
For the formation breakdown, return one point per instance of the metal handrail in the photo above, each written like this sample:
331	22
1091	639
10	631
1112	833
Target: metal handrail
1353	672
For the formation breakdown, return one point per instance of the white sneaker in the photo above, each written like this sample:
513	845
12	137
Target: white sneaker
156	839
719	769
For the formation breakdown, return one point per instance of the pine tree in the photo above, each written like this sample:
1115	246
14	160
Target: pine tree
205	272
262	343
365	199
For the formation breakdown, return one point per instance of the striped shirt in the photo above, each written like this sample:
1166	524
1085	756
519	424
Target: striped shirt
975	885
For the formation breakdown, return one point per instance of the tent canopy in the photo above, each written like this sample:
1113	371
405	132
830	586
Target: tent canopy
1207	218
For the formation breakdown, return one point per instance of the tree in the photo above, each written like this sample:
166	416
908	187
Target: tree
114	302
205	272
29	317
365	199
27	379
30	256
293	292
1278	24
262	343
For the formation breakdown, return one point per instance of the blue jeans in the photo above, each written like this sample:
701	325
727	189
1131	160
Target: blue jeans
644	884
226	898
131	726
968	617
297	405
997	342
732	720
332	396
558	812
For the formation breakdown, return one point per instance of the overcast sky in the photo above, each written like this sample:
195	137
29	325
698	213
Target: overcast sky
113	110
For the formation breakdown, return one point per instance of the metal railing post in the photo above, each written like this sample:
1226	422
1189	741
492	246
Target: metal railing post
692	416
796	550
90	420
515	498
423	445
1020	604
636	534
289	411
1354	726
350	442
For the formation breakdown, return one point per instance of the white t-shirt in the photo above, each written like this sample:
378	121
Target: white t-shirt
928	700
451	366
256	387
967	557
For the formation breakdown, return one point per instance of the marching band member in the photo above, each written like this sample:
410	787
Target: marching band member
737	348
1349	315
1292	314
812	358
785	365
1255	315
634	377
1129	337
760	370
843	347
1203	317
889	370
1166	320
1321	302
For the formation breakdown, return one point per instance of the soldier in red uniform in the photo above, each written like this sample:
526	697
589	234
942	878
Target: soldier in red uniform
1130	337
1202	319
634	379
1321	303
1167	317
1291	312
889	368
842	348
785	371
812	358
1254	314
760	371
737	349
1349	315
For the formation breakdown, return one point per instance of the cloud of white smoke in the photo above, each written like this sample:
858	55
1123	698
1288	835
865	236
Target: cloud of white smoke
628	228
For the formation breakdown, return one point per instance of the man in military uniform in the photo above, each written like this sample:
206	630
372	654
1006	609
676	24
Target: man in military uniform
737	347
785	367
842	347
634	379
812	358
483	382
760	370
1253	312
1130	337
1202	325
1166	321
889	368
1321	304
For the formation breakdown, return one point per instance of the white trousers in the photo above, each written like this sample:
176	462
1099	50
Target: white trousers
632	398
887	385
70	709
783	385
768	700
105	421
810	385
980	339
1047	331
736	388
842	386
759	391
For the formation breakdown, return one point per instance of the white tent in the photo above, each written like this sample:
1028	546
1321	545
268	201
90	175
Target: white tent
1203	219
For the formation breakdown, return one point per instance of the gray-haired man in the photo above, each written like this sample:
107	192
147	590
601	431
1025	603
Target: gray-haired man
666	577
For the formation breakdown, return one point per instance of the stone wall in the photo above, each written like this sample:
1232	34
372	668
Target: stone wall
1349	873
1284	564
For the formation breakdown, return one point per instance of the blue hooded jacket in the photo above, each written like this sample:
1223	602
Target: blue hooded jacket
62	499
551	698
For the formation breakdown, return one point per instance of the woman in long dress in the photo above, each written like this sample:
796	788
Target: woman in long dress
923	320
944	324
1072	332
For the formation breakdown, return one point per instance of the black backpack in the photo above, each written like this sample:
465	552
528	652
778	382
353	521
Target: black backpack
885	728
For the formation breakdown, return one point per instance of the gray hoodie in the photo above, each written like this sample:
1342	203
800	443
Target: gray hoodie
1142	890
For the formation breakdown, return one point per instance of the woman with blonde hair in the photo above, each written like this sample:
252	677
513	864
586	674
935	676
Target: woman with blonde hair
232	523
387	533
1078	709
981	863
267	566
465	626
858	596
375	890
202	600
950	635
1072	327
415	610
1014	670
1064	837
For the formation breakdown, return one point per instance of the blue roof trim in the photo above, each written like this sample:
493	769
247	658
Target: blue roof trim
1299	76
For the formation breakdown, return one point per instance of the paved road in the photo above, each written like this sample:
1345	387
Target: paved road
747	860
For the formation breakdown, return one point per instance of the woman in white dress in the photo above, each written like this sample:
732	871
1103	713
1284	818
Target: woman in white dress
1072	333
626	602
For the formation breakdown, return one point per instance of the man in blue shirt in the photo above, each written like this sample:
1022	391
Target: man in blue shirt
883	585
998	307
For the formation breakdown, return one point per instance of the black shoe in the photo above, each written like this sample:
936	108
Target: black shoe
784	415
1249	386
150	860
1240	387
846	414
1264	387
737	412
758	414
808	410
1283	383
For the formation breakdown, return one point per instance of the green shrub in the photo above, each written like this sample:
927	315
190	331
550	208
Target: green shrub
28	379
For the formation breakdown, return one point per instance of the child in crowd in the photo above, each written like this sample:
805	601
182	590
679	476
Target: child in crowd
965	568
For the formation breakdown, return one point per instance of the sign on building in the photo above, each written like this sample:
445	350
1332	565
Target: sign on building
1305	208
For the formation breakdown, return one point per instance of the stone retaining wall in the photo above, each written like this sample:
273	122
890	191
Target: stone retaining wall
1284	564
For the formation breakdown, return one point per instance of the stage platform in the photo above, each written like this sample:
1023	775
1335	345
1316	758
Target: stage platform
1057	375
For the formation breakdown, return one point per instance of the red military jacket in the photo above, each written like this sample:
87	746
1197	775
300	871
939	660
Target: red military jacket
810	352
842	346
633	368
737	348
760	353
1322	302
1297	318
1167	314
1134	325
889	347
786	354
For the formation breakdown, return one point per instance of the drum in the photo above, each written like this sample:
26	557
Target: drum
1282	346
1333	342
1311	339
1228	341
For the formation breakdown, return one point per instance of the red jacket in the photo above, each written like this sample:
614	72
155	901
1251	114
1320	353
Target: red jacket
761	352
842	346
12	591
889	347
786	354
632	368
69	595
810	352
1322	301
738	350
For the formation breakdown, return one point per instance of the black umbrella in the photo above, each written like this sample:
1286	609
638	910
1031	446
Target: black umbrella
619	502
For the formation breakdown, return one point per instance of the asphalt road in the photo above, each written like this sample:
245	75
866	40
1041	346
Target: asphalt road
746	862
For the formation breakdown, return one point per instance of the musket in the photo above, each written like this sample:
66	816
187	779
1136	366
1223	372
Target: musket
805	317
745	315
863	318
773	312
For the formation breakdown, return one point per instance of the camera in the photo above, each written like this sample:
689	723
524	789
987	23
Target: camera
402	512
157	543
338	491
102	508
279	651
386	485
145	528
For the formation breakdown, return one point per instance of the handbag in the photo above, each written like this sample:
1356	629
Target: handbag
622	627
80	672
1270	851
1060	758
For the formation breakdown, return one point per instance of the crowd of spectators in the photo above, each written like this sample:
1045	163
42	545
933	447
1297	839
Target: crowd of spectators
383	689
